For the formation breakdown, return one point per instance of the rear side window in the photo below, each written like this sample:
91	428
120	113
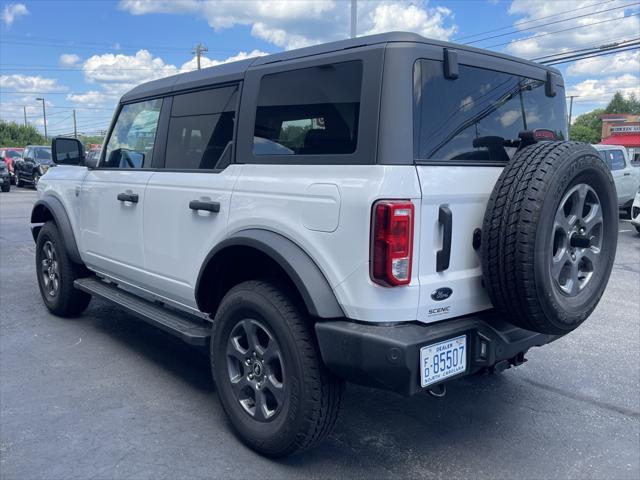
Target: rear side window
470	118
200	128
311	111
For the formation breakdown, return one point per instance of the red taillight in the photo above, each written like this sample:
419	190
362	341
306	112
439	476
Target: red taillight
391	242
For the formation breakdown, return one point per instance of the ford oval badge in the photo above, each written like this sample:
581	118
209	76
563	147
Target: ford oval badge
441	294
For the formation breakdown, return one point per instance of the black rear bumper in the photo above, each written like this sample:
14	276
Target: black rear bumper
388	357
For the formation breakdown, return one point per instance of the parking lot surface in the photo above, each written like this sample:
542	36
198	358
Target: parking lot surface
106	396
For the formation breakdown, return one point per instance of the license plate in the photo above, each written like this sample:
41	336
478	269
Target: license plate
443	360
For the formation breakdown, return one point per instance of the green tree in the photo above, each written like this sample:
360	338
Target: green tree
620	104
587	127
14	135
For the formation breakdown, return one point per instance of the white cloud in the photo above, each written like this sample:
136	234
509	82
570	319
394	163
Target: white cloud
624	62
292	24
426	22
92	98
69	59
12	12
207	62
26	83
591	32
509	117
600	91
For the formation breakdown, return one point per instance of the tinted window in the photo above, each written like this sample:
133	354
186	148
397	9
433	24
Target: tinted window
616	159
43	155
469	119
12	154
200	128
311	111
131	142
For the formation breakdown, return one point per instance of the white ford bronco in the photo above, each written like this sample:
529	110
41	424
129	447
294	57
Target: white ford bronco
387	210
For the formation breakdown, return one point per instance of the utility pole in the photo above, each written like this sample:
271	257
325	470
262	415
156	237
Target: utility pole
44	116
24	109
198	51
354	18
571	97
75	130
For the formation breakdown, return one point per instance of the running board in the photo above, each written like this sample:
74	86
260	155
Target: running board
189	328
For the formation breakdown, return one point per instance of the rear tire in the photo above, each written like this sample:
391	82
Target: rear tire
280	399
56	274
549	236
6	188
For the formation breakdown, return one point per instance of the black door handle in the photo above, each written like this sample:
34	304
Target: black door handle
627	174
128	197
443	256
204	205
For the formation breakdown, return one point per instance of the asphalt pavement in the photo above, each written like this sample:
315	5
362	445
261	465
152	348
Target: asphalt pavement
106	396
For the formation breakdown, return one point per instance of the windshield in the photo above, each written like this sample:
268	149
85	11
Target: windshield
43	155
13	154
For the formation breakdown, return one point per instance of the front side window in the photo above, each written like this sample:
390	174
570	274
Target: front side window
131	142
616	159
200	128
43	155
310	111
471	118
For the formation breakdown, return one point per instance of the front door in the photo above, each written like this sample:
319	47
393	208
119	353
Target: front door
113	194
186	205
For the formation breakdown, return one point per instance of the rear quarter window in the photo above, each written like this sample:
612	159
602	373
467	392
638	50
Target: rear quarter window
468	120
309	111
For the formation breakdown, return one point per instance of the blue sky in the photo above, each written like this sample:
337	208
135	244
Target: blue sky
84	54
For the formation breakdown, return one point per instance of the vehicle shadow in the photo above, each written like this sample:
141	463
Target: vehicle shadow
375	428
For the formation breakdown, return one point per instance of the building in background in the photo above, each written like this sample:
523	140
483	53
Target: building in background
622	129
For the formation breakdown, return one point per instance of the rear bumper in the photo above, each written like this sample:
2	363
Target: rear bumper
388	357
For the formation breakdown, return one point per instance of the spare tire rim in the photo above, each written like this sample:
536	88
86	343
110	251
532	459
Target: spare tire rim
576	239
50	269
256	369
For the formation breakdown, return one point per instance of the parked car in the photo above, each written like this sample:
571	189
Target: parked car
34	163
5	180
635	212
371	210
625	175
9	155
93	155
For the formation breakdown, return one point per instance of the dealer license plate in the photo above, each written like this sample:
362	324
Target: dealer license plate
442	360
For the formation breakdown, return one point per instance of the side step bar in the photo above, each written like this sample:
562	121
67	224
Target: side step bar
189	328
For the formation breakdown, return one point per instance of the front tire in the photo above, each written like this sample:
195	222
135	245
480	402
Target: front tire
272	384
19	182
56	274
6	188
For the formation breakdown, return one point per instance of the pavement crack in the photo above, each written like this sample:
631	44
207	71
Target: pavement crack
584	398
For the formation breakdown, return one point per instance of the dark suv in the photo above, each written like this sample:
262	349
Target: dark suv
34	163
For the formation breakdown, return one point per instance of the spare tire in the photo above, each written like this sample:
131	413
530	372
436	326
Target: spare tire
549	236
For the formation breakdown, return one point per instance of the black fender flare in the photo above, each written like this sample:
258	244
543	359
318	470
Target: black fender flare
315	290
47	208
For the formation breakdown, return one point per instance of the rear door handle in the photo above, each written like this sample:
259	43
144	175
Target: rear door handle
128	197
213	207
443	256
627	174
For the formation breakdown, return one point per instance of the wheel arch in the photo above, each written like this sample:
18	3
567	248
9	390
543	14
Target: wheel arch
256	250
50	208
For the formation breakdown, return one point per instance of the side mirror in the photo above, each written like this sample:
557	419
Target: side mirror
67	151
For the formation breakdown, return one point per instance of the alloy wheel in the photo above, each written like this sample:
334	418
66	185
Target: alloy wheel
256	369
50	269
577	239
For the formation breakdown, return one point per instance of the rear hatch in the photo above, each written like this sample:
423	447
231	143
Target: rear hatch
461	133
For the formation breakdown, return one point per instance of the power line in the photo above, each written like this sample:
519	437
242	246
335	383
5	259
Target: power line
563	30
553	23
601	54
592	46
525	22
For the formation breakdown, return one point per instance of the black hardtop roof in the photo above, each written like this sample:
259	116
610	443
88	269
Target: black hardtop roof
229	72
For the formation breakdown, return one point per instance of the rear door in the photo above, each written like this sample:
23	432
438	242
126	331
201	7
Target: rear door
186	204
460	129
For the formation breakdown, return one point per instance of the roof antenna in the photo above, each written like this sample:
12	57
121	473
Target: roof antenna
354	18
